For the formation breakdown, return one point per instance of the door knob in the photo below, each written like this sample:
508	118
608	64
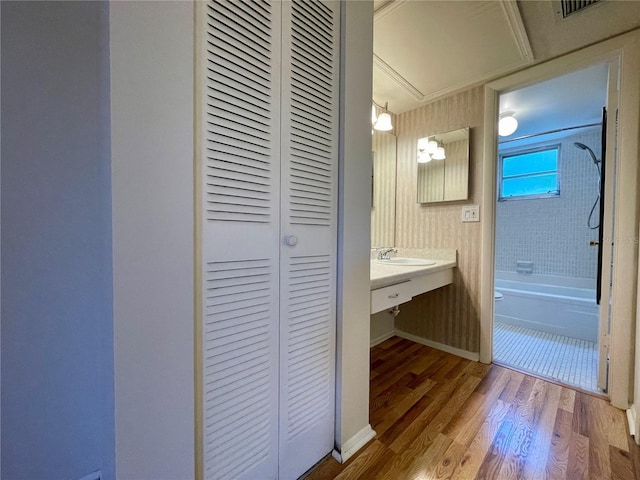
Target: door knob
593	243
291	240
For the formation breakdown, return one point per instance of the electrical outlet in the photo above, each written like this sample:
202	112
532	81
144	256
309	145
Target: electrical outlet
471	213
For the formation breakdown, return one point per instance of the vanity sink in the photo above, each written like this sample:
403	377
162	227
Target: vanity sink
409	262
406	277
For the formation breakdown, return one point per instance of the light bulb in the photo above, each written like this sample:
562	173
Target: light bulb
423	144
432	147
423	157
374	116
439	154
507	124
384	122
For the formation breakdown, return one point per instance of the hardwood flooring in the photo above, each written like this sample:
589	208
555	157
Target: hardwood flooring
438	416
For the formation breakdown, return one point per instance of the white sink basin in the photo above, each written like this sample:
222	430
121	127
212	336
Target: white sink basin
409	262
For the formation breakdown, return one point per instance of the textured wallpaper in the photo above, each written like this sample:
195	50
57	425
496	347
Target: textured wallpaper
383	211
450	314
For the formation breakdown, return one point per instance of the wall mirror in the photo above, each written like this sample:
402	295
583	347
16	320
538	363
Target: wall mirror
383	209
443	167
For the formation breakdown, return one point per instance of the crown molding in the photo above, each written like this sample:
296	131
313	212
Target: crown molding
397	78
516	25
389	7
511	11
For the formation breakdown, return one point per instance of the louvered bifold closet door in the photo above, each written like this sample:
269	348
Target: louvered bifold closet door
239	181
308	260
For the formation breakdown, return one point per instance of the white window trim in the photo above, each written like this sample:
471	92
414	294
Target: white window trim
523	151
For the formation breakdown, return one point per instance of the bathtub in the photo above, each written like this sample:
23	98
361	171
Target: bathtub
561	305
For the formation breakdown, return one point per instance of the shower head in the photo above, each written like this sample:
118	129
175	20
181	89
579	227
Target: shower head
584	147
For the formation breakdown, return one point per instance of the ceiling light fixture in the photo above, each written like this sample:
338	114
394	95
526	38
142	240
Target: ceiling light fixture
507	123
383	123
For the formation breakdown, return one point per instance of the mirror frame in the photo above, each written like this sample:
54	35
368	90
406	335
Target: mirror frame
447	179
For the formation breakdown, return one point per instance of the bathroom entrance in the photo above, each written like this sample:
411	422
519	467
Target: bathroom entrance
551	306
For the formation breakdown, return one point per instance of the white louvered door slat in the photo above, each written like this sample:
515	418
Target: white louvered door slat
268	173
240	209
308	269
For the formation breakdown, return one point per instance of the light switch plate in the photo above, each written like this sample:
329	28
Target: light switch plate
471	213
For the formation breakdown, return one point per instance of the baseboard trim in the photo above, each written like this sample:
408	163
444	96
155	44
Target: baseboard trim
473	356
354	444
634	425
382	338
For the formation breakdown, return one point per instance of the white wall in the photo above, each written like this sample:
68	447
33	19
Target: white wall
57	322
551	36
352	389
0	258
633	413
152	128
152	155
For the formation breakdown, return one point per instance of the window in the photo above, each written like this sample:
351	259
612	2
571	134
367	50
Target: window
529	174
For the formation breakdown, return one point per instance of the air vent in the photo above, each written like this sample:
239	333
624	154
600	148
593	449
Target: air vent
569	7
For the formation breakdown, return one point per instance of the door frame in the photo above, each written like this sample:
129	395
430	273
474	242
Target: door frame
624	49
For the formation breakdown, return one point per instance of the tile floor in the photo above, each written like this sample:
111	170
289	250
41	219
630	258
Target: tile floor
567	360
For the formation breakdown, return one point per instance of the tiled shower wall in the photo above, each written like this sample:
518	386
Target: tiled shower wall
553	232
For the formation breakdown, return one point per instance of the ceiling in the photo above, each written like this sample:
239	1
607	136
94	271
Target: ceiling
563	102
424	50
427	49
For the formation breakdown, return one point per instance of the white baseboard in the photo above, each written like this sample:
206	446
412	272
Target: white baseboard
473	356
382	338
354	444
634	425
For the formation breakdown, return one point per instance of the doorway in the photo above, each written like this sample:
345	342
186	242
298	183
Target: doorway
548	225
621	136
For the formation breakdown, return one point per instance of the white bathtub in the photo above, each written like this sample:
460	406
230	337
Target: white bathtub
561	305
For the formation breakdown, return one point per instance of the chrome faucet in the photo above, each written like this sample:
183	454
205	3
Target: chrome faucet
383	253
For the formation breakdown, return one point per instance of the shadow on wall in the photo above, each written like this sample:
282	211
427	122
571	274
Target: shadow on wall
435	316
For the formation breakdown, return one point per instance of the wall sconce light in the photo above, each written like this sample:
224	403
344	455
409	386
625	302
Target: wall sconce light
507	123
383	121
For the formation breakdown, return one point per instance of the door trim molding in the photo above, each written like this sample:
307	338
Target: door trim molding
199	14
625	49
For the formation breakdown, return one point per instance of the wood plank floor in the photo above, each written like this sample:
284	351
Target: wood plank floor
438	416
